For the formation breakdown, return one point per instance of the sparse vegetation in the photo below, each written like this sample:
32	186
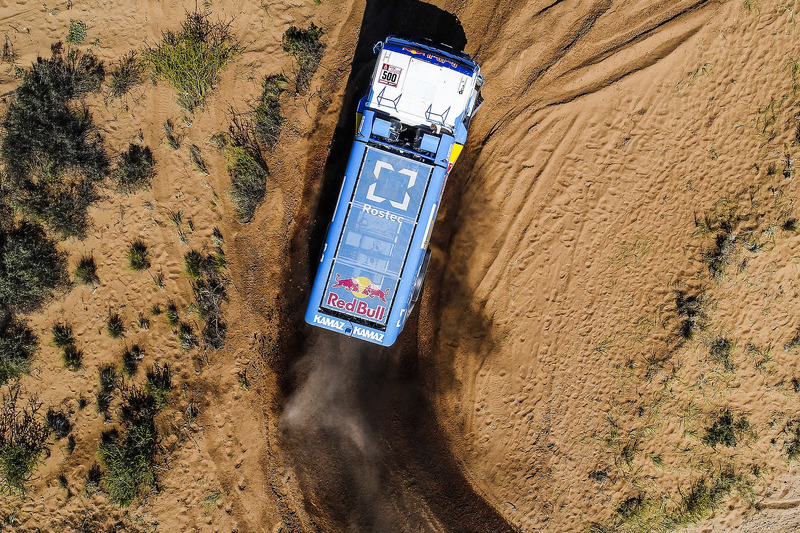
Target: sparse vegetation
137	256
58	423
793	343
18	344
86	271
690	307
23	440
93	478
115	327
130	359
76	33
267	117
792	430
52	152
128	462
159	383
209	294
126	75
307	49
173	141
72	358
31	267
248	181
107	378
186	336
62	335
135	169
173	318
192	58
727	430
197	159
721	350
63	338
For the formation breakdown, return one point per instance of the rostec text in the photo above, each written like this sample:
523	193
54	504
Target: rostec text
380	213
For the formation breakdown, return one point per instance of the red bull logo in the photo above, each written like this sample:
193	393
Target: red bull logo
359	307
361	287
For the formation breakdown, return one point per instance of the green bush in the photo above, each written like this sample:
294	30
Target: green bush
248	181
52	152
159	383
18	344
307	50
192	58
107	378
173	317
77	32
62	335
72	358
115	327
126	75
726	430
31	267
130	359
267	117
137	256
186	336
23	440
128	463
135	169
86	271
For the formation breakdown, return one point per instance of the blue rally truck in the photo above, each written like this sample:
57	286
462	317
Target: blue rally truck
411	127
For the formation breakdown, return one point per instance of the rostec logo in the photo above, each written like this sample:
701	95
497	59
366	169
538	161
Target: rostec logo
380	213
329	322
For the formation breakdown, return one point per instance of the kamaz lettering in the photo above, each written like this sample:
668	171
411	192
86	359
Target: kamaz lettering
329	322
371	273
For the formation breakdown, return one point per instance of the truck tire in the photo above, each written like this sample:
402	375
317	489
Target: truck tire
417	288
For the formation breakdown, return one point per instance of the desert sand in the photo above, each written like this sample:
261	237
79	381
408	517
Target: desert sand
544	381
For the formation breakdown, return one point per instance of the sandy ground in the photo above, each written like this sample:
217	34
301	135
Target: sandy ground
547	340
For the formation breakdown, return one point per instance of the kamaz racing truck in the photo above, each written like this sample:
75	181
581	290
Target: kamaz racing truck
411	127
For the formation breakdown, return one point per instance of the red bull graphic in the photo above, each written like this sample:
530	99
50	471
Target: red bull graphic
362	288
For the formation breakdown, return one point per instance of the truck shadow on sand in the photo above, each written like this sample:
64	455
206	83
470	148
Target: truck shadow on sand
357	424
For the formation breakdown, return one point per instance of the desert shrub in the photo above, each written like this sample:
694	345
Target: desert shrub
705	496
62	335
792	429
93	478
721	350
31	267
197	159
173	317
130	359
137	256
126	75
76	33
115	327
191	58
52	152
18	344
128	463
86	271
267	117
186	336
159	383
209	294
307	50
248	181
134	170
143	322
793	343
107	377
58	423
72	358
23	440
727	430
173	141
139	406
691	308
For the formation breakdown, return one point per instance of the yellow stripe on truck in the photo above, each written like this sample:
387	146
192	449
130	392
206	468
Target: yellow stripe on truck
455	152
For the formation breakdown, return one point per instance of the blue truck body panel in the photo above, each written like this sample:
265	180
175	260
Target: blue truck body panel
378	238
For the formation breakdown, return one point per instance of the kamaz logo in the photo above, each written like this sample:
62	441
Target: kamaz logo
329	322
367	334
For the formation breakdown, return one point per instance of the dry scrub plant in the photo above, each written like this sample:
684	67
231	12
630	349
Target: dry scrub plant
191	58
23	440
